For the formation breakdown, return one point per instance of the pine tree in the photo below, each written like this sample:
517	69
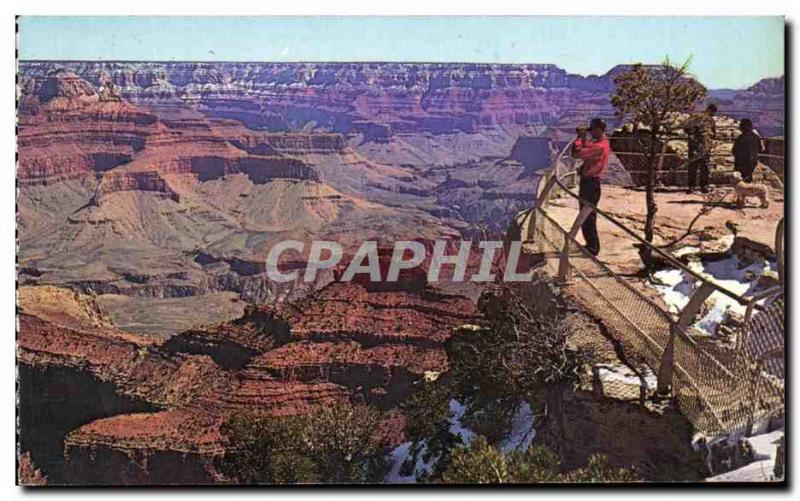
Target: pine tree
650	96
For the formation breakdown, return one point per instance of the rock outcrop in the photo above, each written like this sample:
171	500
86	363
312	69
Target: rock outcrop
373	98
94	173
27	472
156	190
159	422
762	102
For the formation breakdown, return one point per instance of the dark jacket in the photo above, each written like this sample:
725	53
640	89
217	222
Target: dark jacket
701	131
746	149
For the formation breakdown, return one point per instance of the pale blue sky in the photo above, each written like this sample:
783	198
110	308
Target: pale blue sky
726	51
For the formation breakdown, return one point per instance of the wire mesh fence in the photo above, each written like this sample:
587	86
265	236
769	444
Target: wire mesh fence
673	165
721	387
773	156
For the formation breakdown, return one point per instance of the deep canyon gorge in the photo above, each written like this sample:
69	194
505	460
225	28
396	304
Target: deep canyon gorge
149	194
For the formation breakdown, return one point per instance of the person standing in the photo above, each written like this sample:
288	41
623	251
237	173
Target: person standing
746	149
701	131
595	151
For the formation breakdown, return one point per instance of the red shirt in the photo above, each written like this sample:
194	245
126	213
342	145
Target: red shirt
595	153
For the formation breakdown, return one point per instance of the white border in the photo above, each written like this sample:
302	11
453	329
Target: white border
329	7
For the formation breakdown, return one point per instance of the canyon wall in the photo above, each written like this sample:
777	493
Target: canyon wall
145	184
379	99
372	98
763	102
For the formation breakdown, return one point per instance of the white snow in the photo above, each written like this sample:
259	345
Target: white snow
758	471
400	454
520	437
624	375
676	287
765	446
686	250
399	457
765	451
522	432
456	427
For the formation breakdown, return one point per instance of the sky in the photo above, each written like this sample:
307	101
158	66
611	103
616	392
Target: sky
726	52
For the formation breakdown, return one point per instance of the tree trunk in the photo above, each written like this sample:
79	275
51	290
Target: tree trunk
650	221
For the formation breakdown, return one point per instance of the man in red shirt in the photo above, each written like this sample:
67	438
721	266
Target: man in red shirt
595	152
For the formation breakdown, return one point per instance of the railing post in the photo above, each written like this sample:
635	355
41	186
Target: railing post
525	222
754	380
684	321
569	179
741	338
563	264
545	194
664	383
550	180
779	257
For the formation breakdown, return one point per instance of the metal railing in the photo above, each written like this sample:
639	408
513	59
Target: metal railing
672	166
720	387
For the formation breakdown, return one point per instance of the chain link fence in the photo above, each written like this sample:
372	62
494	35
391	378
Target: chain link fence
720	387
672	164
773	156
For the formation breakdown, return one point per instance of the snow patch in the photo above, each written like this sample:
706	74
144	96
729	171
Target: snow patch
765	454
520	437
683	251
765	446
399	457
758	471
522	431
621	374
456	426
407	450
676	287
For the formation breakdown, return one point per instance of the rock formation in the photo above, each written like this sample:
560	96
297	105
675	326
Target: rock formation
374	98
110	184
762	102
151	193
158	405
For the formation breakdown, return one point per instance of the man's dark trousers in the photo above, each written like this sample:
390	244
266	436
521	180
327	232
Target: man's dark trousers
698	163
589	192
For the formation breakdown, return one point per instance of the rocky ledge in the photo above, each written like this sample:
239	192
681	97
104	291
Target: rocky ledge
153	409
